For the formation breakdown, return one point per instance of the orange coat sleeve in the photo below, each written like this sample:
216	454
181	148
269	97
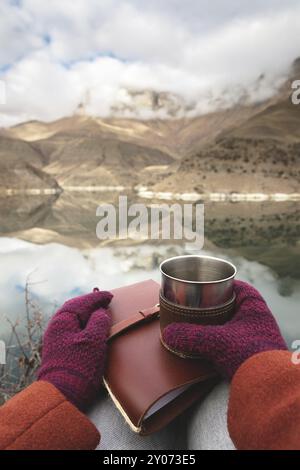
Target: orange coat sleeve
264	403
40	417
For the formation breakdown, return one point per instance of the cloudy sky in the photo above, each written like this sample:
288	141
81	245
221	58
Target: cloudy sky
58	53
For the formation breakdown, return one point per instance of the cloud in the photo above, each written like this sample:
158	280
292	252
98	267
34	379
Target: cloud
57	52
16	35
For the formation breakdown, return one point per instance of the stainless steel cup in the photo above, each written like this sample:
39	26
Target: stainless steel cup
197	281
196	289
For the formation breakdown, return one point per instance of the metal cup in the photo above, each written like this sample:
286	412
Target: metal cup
197	281
196	289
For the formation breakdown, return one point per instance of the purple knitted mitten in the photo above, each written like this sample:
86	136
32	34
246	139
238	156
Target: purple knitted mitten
253	329
74	347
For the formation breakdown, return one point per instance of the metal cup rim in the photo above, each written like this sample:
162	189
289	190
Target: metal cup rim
218	281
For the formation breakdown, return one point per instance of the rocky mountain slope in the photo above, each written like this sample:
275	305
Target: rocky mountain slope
174	136
94	160
262	154
86	151
21	167
248	147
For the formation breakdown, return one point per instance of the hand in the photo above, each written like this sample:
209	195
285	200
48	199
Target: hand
74	347
253	329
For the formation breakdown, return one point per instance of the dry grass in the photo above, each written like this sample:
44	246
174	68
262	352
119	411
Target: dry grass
23	348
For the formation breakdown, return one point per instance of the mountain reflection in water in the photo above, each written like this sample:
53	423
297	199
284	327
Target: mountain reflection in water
58	272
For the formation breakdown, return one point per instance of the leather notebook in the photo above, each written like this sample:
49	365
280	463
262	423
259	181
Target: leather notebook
149	385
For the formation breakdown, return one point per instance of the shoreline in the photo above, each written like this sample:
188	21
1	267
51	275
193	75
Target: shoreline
145	193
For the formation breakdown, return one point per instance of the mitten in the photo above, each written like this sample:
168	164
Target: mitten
74	347
252	329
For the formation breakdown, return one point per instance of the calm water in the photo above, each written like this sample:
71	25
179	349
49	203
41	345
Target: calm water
261	239
58	272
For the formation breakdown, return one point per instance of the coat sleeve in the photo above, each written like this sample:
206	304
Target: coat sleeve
264	403
40	417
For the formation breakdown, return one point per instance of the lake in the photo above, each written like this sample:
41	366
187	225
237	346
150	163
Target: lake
52	243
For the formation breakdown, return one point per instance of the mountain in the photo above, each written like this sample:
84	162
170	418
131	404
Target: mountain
147	102
246	147
239	165
173	136
279	122
21	167
92	160
261	154
86	151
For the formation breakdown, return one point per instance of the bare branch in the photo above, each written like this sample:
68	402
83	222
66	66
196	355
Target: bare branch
23	348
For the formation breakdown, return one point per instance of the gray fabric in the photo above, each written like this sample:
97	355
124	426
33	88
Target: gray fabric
207	427
204	426
116	434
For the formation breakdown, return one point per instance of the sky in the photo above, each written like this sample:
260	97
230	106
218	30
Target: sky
56	54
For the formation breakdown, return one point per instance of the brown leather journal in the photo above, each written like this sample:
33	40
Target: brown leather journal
149	385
